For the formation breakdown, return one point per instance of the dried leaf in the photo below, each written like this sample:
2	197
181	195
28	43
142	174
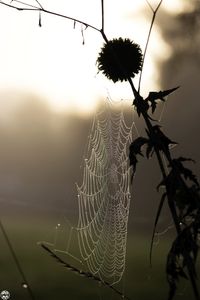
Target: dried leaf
161	140
153	97
134	150
136	146
40	20
83	38
187	173
160	95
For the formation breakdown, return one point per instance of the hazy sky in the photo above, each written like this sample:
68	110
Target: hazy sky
51	61
48	79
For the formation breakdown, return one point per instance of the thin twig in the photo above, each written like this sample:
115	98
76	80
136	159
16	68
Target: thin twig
24	3
40	9
88	275
150	6
30	8
148	39
39	3
102	15
12	251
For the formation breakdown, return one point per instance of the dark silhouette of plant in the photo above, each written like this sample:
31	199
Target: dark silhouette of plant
120	59
181	191
181	185
183	197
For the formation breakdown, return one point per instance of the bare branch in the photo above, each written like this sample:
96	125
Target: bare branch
34	8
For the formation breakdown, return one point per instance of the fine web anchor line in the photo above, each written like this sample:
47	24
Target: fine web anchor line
80	272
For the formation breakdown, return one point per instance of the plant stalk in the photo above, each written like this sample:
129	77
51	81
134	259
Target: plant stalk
170	200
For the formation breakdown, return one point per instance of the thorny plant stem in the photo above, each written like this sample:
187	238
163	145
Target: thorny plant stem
172	207
170	200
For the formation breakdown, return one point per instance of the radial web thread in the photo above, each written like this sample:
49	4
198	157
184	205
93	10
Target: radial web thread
104	195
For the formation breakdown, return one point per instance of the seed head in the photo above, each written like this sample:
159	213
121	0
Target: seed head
120	59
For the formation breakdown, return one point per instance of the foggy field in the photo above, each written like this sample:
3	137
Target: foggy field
50	280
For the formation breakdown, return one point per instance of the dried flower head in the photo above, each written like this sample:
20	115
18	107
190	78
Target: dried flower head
120	59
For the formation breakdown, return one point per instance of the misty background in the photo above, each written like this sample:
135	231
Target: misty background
41	155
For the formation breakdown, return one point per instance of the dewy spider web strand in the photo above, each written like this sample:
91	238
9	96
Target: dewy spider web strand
80	272
104	196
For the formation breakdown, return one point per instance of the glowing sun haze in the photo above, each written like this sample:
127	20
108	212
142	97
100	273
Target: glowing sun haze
52	62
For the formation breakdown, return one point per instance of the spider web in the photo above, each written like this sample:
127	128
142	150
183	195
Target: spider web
104	195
